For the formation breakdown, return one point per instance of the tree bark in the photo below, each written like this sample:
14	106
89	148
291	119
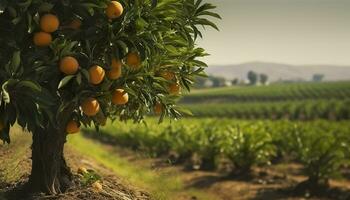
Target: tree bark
50	173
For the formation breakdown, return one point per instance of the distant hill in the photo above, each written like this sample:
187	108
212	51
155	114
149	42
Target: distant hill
278	71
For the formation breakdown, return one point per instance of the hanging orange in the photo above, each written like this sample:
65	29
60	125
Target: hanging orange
158	108
114	10
133	60
90	106
42	39
69	65
120	97
97	74
72	127
116	69
174	88
49	23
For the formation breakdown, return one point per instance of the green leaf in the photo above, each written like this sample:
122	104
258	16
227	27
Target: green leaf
16	61
65	81
30	84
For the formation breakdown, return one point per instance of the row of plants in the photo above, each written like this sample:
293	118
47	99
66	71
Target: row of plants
322	147
295	110
275	92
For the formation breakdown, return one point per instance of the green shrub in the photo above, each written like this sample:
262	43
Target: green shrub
246	147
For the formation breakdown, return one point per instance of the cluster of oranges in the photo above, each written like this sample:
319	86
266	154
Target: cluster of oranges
69	65
49	23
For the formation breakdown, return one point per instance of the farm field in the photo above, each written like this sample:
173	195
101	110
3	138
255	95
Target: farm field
273	92
295	101
254	152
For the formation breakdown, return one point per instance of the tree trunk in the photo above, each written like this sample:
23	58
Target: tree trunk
50	173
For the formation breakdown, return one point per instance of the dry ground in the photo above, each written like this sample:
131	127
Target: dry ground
16	164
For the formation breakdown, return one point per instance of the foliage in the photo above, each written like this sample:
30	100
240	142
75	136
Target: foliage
294	110
245	143
248	146
252	77
278	101
34	92
321	152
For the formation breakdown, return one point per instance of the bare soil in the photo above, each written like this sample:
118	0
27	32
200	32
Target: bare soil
16	166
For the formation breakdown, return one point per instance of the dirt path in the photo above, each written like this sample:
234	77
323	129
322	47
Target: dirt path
16	166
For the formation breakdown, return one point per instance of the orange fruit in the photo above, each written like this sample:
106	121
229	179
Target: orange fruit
49	23
72	127
42	39
90	106
97	74
174	88
69	65
75	24
133	60
120	97
158	108
114	10
2	126
168	75
116	69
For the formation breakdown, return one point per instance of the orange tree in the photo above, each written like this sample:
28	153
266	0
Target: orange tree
71	63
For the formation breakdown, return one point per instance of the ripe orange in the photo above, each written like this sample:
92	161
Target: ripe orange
120	97
49	23
69	65
90	106
2	126
158	108
75	24
114	10
72	127
174	88
168	75
42	39
97	74
116	69
133	60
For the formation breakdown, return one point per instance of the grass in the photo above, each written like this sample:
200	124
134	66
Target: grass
161	185
11	162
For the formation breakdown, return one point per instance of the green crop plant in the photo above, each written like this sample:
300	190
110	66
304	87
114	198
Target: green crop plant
247	146
322	152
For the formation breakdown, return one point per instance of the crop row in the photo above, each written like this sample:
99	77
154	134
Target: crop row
276	92
295	110
322	147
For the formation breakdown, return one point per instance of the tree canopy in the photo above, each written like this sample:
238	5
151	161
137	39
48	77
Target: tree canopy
153	41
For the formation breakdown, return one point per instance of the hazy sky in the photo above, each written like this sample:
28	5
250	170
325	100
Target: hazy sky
288	31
